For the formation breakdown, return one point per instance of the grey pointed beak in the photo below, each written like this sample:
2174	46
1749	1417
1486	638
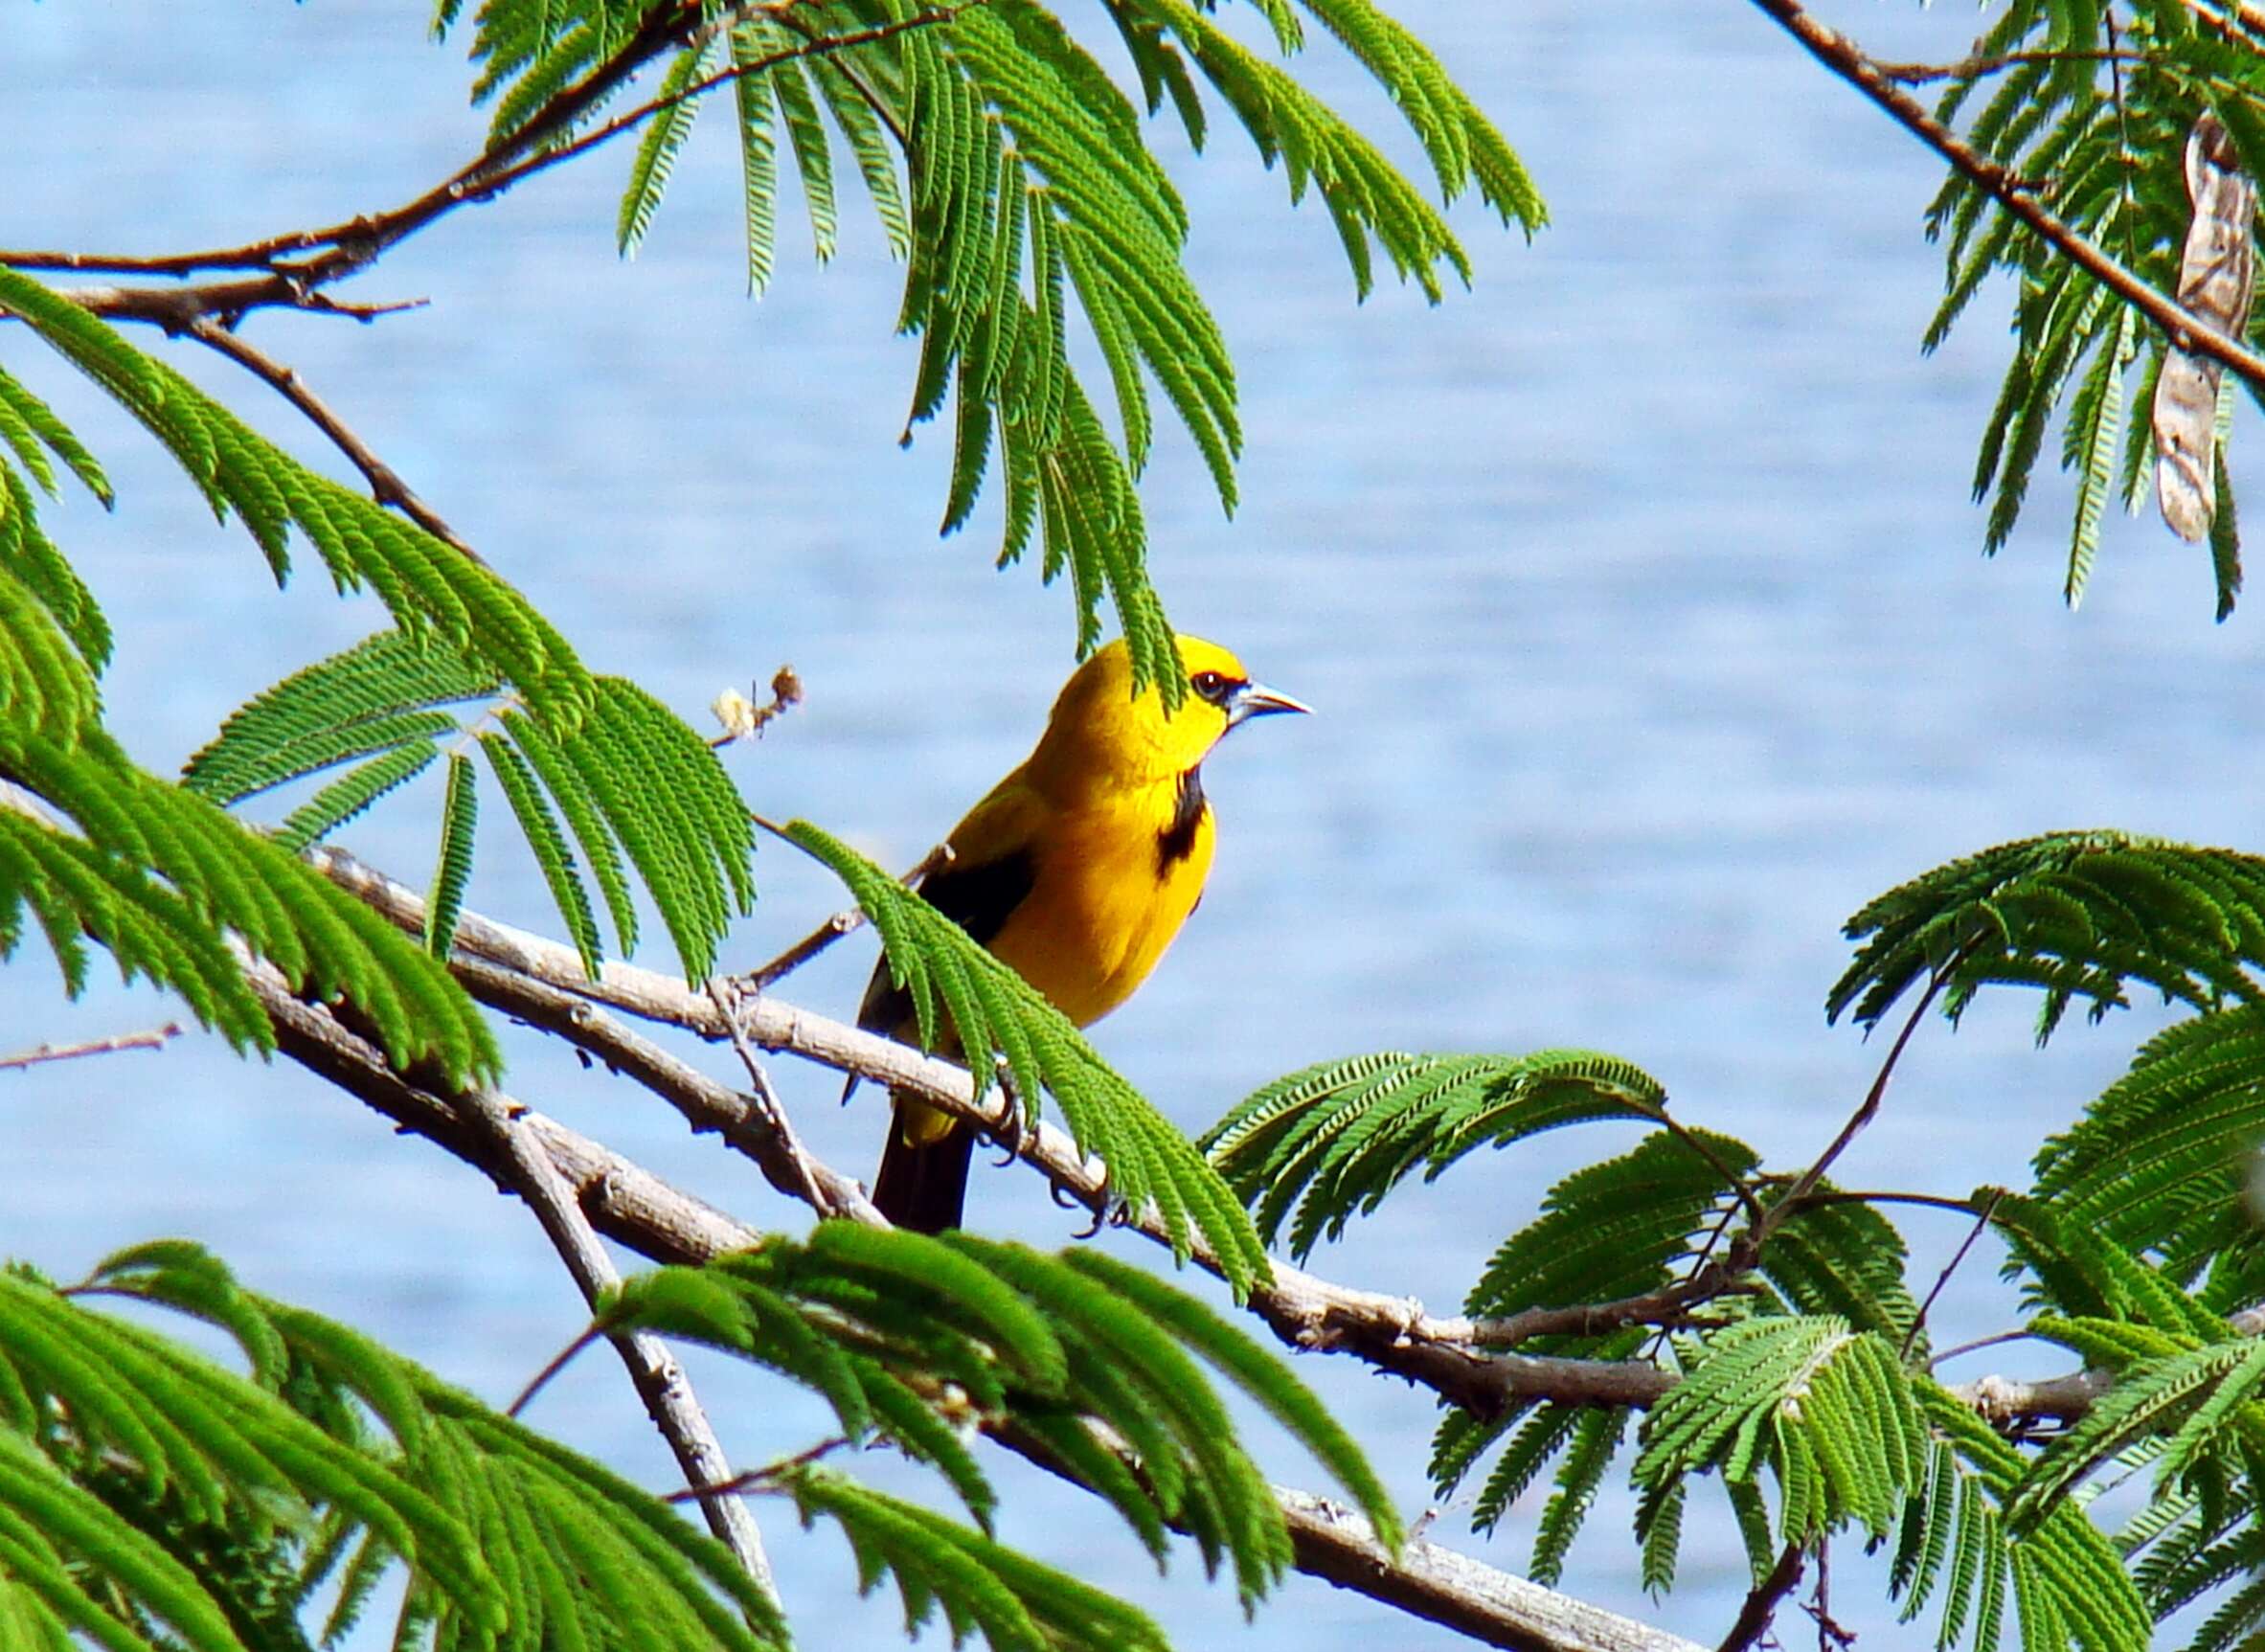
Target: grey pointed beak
1257	700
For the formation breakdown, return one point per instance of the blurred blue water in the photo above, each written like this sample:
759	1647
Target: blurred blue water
1638	586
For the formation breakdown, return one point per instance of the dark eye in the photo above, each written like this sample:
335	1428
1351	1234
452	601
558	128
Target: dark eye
1212	685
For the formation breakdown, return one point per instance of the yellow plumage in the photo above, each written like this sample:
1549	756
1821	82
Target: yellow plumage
1077	869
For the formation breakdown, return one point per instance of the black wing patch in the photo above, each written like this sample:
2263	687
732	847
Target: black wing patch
1177	841
980	899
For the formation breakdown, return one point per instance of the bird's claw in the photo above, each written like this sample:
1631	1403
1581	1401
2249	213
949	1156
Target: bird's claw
1112	1211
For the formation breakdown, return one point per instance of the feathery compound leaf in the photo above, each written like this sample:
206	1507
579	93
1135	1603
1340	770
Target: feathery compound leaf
992	1011
47	687
1260	1375
2159	1160
1830	1409
1845	1259
177	1447
377	695
26	551
2114	139
538	825
919	1337
665	134
1016	1603
2080	1270
217	876
1334	1139
1596	1441
2076	913
1613	1229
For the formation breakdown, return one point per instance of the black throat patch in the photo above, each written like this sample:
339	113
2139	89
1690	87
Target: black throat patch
1177	841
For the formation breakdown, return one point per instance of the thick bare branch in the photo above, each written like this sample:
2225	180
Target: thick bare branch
655	1372
1396	1334
628	1204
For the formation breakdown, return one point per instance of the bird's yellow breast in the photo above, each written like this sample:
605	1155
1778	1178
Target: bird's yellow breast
1110	888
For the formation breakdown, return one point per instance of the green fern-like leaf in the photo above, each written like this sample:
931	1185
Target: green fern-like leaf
452	871
1595	1439
1613	1229
1014	1602
636	788
2102	133
2158	1162
134	829
910	1337
664	137
991	1010
1332	1139
1828	1408
2080	914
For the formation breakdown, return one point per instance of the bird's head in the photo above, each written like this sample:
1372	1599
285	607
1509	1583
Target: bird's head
1101	726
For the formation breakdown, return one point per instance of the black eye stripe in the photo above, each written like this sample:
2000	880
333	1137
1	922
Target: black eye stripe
1214	687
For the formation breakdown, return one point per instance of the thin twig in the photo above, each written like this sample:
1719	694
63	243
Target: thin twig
552	1366
1761	1605
151	1038
347	248
758	1478
2018	196
1975	68
767	1098
1996	1339
1982	1221
1808	1181
386	486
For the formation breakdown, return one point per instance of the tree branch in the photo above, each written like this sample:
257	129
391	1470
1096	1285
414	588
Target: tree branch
525	975
1761	1605
1841	55
331	254
151	1038
633	1207
386	486
660	1381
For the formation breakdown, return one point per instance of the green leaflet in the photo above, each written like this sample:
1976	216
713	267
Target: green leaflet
634	785
104	883
1015	1602
2076	913
664	137
1333	1140
452	871
2101	135
993	1010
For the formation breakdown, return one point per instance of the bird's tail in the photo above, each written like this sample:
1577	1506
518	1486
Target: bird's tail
923	1185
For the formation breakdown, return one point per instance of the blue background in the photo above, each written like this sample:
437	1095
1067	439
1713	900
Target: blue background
1638	588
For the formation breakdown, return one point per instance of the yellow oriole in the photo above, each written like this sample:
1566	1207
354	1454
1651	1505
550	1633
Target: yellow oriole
1077	871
